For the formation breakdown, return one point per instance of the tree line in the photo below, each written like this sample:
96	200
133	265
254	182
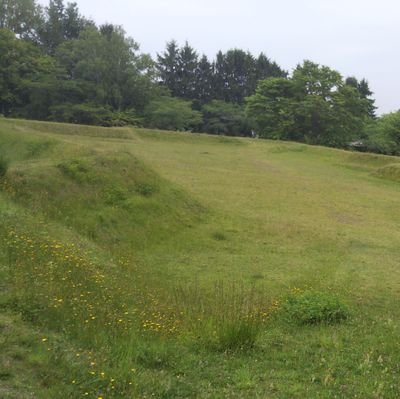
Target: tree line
58	65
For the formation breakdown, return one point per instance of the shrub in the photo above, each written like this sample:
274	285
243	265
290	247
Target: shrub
87	114
91	114
313	307
115	195
147	189
3	166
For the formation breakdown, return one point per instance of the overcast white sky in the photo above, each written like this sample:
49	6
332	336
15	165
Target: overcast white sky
355	37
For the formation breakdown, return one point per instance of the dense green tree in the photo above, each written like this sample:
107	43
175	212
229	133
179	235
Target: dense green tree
21	17
51	32
107	66
60	23
49	89
312	79
391	125
220	117
12	70
349	116
325	111
314	106
21	64
73	22
334	122
172	114
271	107
383	134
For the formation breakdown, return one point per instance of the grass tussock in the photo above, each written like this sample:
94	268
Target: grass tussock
219	236
229	317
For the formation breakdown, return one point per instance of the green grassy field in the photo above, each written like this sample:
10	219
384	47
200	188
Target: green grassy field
149	264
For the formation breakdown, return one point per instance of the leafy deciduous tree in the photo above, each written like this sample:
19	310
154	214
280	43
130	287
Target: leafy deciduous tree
20	16
271	107
172	114
220	117
314	106
21	64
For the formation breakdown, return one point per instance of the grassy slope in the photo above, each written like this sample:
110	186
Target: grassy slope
281	215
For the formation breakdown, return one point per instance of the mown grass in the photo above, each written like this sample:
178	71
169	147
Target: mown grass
140	263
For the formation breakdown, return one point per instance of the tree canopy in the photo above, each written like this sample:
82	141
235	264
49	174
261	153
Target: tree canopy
314	105
58	65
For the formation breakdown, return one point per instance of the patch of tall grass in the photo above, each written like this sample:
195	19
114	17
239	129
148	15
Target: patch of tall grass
228	317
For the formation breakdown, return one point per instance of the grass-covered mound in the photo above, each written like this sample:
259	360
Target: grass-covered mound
389	172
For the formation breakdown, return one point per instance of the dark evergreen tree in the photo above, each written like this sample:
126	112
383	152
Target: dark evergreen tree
59	24
52	30
187	69
168	67
204	83
364	91
74	22
352	81
220	76
235	75
265	68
